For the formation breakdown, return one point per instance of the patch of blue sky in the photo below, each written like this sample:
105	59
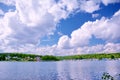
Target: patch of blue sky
67	26
6	8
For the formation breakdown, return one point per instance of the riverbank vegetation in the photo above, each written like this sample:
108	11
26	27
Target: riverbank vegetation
92	56
18	57
33	57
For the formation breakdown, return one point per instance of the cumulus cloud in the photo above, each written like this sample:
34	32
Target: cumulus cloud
26	24
63	42
22	29
54	50
93	5
5	30
33	19
101	48
80	37
89	6
106	2
106	29
1	12
111	47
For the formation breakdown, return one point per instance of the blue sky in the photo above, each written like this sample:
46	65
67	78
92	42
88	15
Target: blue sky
56	28
77	20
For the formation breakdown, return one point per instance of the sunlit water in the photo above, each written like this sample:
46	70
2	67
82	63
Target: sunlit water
60	70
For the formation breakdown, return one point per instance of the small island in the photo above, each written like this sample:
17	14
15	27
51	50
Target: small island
33	57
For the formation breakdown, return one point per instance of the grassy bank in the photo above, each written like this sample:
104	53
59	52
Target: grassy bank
91	56
33	57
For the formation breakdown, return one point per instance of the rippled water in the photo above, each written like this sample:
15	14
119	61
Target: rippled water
60	70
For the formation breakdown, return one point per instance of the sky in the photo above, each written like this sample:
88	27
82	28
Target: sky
60	27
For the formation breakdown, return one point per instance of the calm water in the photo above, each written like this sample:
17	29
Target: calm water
61	70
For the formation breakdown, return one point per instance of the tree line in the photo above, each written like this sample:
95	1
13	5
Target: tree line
33	57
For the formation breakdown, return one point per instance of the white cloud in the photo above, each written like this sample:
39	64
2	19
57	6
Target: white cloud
60	33
107	48
95	15
28	23
90	49
69	5
54	50
106	29
89	6
93	5
111	47
106	2
63	42
57	12
80	37
63	8
5	30
1	12
22	29
8	2
33	19
34	13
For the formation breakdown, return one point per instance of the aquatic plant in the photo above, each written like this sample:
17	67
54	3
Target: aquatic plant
107	76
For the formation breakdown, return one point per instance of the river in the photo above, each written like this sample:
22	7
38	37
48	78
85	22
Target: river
59	70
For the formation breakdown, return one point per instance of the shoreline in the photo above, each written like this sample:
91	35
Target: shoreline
20	57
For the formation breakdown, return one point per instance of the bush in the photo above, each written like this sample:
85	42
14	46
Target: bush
107	76
2	57
49	58
112	57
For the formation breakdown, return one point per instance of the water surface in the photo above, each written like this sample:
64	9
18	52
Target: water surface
60	70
